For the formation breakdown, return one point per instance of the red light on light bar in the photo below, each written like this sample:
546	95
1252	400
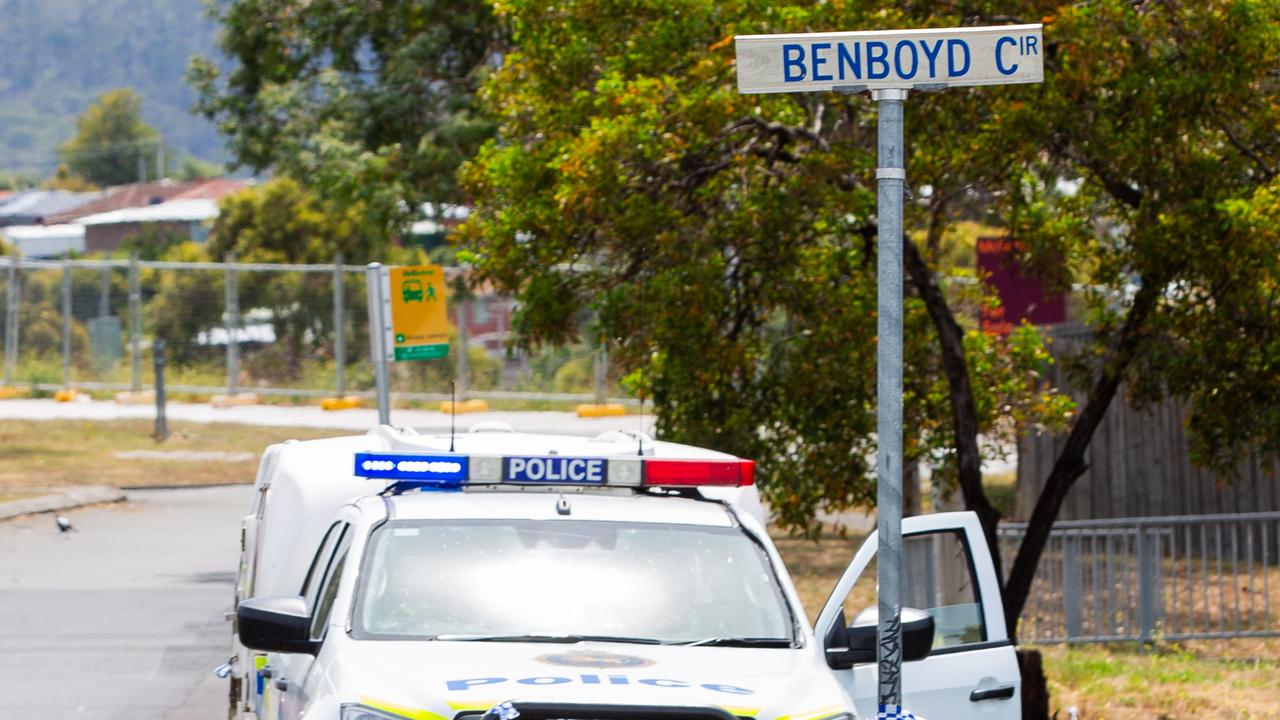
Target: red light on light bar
699	472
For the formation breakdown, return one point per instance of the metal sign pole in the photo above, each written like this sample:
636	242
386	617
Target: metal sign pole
66	325
339	329
11	321
890	177
378	326
889	62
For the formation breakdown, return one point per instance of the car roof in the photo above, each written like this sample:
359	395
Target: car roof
541	504
497	438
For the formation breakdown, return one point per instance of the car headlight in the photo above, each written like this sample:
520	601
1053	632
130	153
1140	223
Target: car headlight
364	712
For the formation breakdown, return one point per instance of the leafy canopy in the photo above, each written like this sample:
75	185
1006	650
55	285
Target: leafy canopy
725	243
371	103
111	140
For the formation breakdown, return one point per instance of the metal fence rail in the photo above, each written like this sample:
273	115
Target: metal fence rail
1158	578
268	328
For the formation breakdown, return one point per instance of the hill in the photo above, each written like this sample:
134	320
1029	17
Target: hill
56	56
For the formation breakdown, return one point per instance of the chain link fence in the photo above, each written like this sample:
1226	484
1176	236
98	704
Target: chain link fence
274	330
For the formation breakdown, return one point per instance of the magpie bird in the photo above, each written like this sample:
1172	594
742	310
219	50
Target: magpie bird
64	525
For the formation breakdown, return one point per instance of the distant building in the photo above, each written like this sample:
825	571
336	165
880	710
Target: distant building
40	207
44	241
108	231
136	195
488	318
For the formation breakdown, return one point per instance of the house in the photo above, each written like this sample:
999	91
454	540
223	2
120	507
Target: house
168	206
44	241
39	207
488	318
108	231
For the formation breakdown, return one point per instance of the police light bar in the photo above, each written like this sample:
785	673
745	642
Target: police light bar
454	471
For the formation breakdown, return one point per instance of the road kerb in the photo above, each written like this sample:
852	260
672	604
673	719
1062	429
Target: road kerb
68	499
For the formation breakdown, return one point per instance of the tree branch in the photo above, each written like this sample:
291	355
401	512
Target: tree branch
1268	172
1071	464
964	413
784	133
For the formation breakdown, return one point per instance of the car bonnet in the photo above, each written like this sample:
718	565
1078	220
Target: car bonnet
425	679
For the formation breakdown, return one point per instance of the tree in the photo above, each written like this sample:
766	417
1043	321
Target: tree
282	222
725	241
371	105
111	140
191	167
64	179
1167	113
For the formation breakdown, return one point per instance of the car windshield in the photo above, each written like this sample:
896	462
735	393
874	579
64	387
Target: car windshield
568	580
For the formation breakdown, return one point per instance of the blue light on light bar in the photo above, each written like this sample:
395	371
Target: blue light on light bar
402	466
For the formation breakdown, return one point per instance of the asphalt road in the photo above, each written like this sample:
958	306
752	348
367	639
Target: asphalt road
123	618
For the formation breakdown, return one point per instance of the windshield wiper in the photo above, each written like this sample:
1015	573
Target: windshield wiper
568	639
740	642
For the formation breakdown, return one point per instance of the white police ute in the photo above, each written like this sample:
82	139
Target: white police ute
504	575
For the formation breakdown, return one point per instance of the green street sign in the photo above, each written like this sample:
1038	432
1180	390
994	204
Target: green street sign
422	352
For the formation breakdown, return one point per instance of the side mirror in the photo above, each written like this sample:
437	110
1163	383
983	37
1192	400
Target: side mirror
276	624
850	645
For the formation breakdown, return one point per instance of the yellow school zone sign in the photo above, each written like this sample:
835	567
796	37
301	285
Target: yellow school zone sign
419	327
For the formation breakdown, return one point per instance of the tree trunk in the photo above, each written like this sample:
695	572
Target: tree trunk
964	414
910	488
1035	687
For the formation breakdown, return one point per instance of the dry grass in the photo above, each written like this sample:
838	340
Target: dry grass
6	497
1235	679
35	456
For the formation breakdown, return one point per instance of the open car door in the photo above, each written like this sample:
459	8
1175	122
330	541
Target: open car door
971	673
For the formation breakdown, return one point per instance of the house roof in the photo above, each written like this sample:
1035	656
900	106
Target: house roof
212	189
171	211
42	206
125	196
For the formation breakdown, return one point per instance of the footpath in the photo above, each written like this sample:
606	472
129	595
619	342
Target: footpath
359	419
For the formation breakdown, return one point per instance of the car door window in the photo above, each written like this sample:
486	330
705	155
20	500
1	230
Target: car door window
937	577
320	563
329	590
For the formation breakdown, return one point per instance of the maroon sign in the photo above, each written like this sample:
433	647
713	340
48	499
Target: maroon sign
1021	296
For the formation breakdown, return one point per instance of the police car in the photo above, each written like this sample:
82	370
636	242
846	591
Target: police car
397	575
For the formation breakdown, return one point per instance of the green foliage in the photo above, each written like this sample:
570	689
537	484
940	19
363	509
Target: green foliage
111	140
1168	115
40	318
64	179
191	167
18	180
280	221
371	104
153	241
723	240
726	242
184	304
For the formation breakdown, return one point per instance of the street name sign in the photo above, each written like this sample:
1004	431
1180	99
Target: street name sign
905	59
890	64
